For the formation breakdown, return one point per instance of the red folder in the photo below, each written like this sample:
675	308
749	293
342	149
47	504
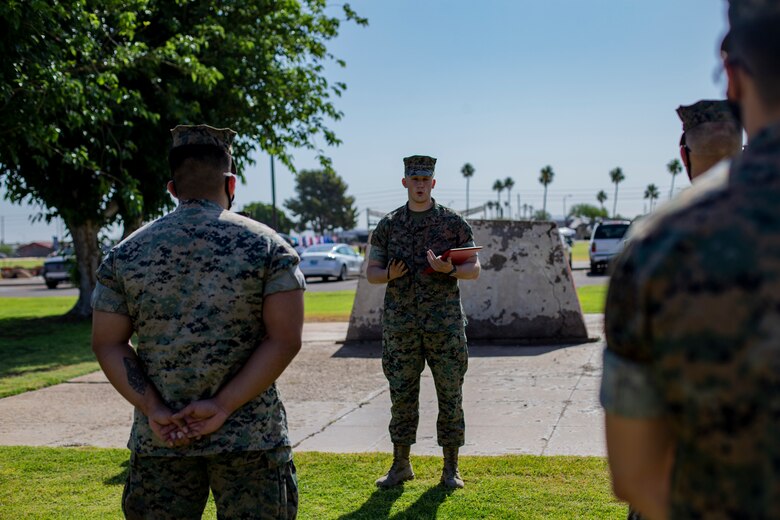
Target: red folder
458	255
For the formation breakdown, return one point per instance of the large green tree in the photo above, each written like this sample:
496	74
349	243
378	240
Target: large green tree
263	212
588	211
90	88
322	202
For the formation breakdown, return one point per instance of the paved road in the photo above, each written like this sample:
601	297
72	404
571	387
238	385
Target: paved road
34	287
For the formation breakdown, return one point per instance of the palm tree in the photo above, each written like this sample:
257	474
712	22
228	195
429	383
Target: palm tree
508	184
490	205
616	175
468	172
525	210
674	168
601	196
498	187
652	193
546	175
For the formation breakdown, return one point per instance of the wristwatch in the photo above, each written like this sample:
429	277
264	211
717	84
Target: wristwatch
454	270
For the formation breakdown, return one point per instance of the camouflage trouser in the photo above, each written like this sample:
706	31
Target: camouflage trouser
404	355
244	484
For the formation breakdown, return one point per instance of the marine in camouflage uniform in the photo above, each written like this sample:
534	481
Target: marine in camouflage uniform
193	285
693	320
423	319
711	133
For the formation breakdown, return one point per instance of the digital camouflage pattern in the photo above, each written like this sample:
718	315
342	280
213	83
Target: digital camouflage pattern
420	301
423	319
419	165
193	283
705	111
203	134
246	485
695	302
403	360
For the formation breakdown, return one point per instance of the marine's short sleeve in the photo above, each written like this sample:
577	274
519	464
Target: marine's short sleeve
283	273
466	235
108	295
379	238
628	388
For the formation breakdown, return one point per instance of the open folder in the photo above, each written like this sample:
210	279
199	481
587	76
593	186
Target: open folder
458	255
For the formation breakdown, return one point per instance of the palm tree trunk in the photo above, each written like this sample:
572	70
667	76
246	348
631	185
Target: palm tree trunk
671	190
614	202
544	204
467	194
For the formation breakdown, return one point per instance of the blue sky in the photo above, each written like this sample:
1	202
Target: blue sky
509	86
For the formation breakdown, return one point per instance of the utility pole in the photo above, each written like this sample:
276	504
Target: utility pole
2	230
518	207
273	195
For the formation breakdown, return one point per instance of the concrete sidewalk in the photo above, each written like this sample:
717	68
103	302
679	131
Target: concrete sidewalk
529	400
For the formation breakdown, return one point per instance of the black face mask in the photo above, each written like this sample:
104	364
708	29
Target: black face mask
227	192
736	111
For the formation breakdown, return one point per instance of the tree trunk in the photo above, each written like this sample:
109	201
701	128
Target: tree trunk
131	226
85	244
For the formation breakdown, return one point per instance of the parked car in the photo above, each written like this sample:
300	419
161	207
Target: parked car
57	268
566	243
330	260
606	242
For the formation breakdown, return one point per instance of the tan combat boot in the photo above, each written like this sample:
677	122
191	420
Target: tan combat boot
400	471
450	476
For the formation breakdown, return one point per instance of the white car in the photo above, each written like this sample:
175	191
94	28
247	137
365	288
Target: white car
331	260
606	242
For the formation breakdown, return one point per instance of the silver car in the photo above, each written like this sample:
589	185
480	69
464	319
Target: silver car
331	260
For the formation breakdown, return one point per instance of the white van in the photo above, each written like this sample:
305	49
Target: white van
606	241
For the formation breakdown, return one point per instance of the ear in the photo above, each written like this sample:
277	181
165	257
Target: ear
232	184
403	181
172	189
433	183
734	87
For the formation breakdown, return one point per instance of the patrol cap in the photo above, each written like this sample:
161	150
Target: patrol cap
705	111
419	166
203	134
751	19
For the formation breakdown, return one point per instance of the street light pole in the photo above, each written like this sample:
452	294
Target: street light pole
273	195
564	206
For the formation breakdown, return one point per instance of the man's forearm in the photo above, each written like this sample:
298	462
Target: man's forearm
376	274
468	271
263	367
125	372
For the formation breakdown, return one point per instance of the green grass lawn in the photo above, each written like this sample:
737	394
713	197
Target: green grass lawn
40	348
592	298
25	263
579	253
62	483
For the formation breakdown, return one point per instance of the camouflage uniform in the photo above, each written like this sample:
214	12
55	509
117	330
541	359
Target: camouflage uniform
193	283
423	320
693	335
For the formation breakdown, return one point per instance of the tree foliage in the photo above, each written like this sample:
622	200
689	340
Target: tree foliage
263	212
588	211
673	167
90	89
601	196
322	203
546	176
652	193
468	172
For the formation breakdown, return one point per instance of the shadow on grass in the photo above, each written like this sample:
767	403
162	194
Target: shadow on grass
37	344
427	505
377	506
121	477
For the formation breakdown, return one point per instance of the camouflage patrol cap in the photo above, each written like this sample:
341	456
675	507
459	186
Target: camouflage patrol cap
705	111
419	165
750	19
746	11
203	134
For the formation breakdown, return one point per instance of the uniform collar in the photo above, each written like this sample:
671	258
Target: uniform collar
199	203
435	210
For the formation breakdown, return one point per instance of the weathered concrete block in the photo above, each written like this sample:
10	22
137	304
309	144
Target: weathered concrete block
525	293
